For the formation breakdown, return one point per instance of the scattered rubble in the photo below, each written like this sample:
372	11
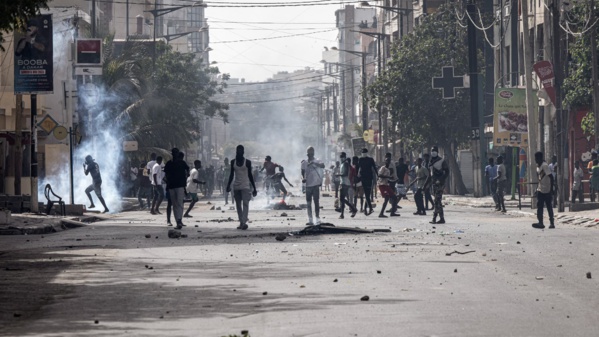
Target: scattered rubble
365	298
461	253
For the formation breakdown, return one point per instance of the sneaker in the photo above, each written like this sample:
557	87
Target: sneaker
169	224
157	212
394	214
153	212
187	216
242	227
92	206
353	213
341	216
382	216
416	213
106	210
538	225
503	211
309	224
552	226
441	221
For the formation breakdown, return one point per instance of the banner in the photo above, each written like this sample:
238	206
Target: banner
544	70
510	122
34	66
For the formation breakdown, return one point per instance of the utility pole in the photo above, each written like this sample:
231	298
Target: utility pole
476	122
93	18
328	112
530	100
18	148
335	109
595	75
33	151
561	123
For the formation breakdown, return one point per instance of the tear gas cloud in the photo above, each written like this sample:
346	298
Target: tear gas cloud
102	142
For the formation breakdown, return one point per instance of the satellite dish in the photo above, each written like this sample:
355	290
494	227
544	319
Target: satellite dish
60	132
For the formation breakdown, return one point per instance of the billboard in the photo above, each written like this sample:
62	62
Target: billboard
34	66
510	121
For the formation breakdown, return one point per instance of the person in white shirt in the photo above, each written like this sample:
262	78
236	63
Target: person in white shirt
544	191
577	176
312	177
501	183
193	185
156	176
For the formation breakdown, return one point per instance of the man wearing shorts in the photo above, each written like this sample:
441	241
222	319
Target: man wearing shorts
91	167
312	177
193	187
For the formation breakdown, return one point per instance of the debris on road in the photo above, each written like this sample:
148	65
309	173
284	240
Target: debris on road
461	253
540	278
281	237
284	214
378	271
455	270
212	208
329	228
174	234
148	236
589	274
365	298
335	280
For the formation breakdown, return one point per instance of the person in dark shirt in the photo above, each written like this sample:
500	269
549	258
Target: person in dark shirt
91	167
278	182
175	172
367	173
145	186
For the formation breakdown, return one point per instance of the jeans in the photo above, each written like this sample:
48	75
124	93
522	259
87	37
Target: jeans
344	198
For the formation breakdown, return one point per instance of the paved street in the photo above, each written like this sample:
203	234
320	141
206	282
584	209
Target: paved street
109	279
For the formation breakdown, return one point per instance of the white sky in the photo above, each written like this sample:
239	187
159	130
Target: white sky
260	59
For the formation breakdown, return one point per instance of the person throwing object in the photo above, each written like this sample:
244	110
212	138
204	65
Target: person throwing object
91	167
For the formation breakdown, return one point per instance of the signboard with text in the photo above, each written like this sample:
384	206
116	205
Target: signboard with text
34	66
510	122
89	52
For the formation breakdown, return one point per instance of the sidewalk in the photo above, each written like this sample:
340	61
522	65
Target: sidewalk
583	218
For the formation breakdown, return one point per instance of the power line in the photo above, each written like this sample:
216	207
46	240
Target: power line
274	37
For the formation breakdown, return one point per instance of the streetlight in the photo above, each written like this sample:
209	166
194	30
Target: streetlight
400	11
364	103
171	37
157	12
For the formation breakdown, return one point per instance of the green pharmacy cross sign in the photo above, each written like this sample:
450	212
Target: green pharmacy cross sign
448	82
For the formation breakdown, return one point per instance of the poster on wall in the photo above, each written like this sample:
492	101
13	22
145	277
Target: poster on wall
33	57
510	121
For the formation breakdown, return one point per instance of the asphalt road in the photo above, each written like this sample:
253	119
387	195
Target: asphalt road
108	279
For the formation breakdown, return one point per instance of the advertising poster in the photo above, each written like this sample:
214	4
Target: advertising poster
33	57
510	121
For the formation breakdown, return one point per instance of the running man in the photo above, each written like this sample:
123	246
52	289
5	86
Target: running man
278	182
91	167
193	188
270	168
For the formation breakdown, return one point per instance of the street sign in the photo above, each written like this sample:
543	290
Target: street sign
47	124
448	82
88	71
358	144
60	132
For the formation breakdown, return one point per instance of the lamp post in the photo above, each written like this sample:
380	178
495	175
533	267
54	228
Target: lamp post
171	37
364	102
158	12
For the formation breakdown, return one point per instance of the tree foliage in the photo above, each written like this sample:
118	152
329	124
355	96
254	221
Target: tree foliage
14	14
160	106
578	85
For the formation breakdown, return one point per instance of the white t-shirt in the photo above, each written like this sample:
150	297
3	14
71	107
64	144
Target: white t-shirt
543	172
192	187
313	174
501	173
157	170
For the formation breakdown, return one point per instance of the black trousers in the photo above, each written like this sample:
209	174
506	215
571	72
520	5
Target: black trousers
367	192
544	200
419	199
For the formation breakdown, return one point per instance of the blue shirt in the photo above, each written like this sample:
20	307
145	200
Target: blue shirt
491	171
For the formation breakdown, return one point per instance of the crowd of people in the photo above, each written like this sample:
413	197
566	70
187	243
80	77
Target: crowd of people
354	181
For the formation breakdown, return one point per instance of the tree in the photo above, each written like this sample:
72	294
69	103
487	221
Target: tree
14	14
159	106
418	113
578	87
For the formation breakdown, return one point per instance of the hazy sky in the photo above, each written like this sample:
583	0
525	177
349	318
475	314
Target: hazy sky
273	48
